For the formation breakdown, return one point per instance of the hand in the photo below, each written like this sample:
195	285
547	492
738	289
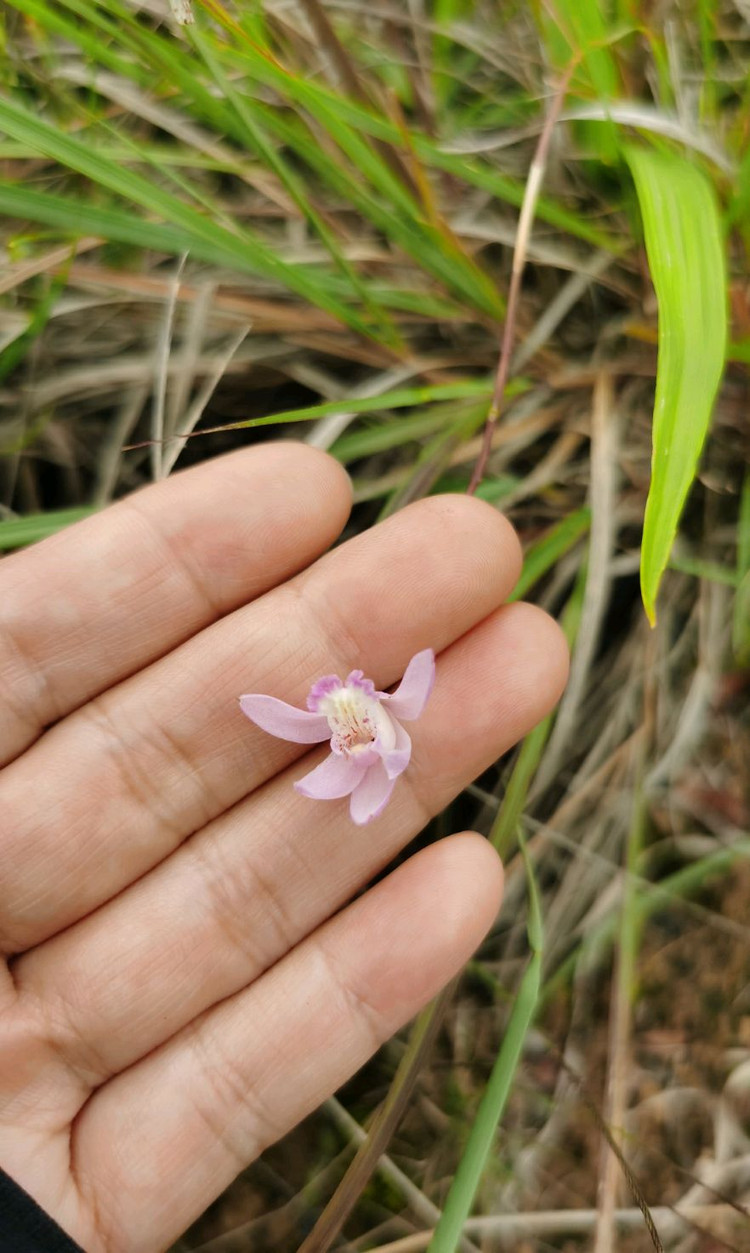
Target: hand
186	976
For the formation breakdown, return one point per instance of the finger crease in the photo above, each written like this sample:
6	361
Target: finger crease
60	1033
35	674
137	782
174	556
233	890
229	1095
363	1011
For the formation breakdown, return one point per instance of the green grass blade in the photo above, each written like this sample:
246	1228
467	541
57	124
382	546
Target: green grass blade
18	532
479	174
248	251
101	51
79	217
265	150
505	828
711	571
682	884
577	28
389	434
16	350
403	398
548	550
417	238
492	1105
686	257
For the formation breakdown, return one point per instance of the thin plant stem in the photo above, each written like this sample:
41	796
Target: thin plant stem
531	195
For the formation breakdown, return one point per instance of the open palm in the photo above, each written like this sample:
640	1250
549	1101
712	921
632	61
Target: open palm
187	976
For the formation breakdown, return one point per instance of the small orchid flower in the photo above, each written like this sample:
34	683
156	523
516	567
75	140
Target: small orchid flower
369	747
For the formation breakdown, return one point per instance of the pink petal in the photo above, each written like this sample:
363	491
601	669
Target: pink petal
412	693
334	777
396	759
371	796
285	721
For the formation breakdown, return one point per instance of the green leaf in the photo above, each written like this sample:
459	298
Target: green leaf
463	1189
402	398
249	252
18	532
686	257
548	550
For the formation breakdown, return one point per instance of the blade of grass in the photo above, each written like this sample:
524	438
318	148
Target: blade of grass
711	571
76	217
323	105
445	51
577	28
256	256
417	238
100	51
19	532
260	143
463	1189
16	350
73	217
400	399
389	435
351	80
505	829
433	458
686	257
547	551
687	881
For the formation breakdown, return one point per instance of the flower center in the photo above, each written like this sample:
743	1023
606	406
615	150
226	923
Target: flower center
355	718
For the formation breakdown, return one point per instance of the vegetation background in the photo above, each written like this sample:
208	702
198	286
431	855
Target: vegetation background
306	213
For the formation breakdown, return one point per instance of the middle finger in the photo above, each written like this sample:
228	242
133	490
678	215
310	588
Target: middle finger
122	782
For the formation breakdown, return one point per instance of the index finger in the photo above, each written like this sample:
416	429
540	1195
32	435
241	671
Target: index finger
93	604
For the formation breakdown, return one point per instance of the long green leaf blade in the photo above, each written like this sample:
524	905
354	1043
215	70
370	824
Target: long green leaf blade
686	257
252	253
18	532
460	1198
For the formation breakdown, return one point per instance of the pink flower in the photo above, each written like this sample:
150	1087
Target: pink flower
369	747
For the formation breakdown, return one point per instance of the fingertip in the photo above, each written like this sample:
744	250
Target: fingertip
473	872
478	528
549	643
321	467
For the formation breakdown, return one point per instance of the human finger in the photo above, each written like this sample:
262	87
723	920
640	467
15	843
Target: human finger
84	608
160	1142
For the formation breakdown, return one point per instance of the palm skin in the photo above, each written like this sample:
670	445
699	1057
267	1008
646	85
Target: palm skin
187	971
